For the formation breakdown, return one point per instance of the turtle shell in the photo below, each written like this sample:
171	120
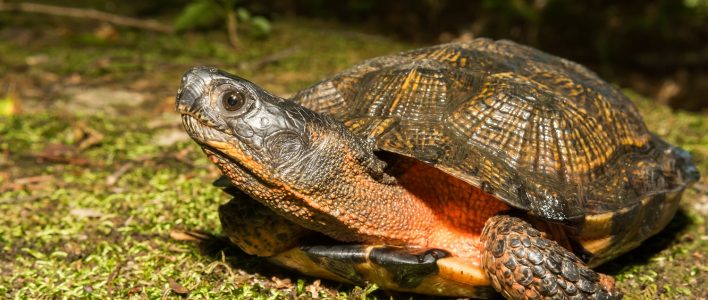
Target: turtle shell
539	132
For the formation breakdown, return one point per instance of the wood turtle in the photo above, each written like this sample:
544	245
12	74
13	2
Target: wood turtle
455	170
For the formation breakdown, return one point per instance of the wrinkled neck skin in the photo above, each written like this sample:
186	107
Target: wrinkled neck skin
332	183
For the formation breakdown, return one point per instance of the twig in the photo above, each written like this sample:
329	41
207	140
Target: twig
21	199
112	276
179	235
113	178
231	26
31	183
87	14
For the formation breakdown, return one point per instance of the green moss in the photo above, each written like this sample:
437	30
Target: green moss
78	231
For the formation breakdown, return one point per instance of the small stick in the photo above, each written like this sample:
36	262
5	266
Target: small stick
112	276
231	25
87	14
113	178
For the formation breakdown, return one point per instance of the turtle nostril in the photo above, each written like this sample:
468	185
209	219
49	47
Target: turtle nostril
192	87
186	96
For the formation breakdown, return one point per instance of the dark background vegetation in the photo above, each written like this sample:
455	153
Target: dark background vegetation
657	47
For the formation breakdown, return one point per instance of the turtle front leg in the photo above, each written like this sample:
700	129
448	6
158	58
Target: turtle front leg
522	264
256	229
425	271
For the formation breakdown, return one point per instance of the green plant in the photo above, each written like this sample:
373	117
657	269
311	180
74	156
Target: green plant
210	13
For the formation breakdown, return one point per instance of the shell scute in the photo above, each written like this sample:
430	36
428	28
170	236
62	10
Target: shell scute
537	131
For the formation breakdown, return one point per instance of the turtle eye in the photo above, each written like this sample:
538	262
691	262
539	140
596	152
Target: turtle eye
233	100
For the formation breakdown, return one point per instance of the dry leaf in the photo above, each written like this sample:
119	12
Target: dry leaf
72	248
85	213
106	32
113	178
179	235
176	287
313	291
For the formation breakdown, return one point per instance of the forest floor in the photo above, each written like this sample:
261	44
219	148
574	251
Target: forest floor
104	195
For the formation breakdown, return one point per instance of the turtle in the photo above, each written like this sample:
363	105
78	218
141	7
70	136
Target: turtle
465	169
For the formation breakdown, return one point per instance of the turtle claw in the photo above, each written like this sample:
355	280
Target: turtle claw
522	264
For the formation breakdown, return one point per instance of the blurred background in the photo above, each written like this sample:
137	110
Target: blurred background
658	48
103	195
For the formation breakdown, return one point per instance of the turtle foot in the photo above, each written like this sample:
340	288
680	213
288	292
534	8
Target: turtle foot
522	264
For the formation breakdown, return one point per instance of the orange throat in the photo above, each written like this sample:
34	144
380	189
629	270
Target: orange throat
457	210
427	208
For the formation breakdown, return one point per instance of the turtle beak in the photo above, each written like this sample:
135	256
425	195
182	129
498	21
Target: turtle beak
194	85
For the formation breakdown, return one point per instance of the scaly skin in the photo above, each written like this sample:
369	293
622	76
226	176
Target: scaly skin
256	229
522	264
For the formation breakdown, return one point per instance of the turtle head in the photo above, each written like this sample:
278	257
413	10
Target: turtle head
254	136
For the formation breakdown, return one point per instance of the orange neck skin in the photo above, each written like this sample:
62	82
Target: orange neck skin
427	208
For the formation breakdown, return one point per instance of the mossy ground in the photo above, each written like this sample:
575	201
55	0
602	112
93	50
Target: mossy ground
97	195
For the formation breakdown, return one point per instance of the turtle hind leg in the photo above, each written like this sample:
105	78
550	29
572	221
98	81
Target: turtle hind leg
522	264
